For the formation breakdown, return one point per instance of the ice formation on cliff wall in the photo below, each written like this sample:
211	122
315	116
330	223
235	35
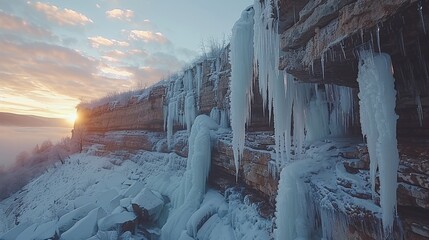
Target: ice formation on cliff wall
378	120
241	80
187	198
317	110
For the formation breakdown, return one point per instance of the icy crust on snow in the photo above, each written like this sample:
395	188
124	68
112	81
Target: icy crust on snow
312	205
378	120
241	80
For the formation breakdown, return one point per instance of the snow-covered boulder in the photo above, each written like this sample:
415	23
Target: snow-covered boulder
13	233
110	222
104	199
109	235
114	203
86	227
69	219
83	200
45	230
126	204
133	190
150	201
27	233
37	231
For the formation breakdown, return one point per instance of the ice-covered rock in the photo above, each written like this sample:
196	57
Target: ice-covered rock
104	199
69	219
13	233
86	227
133	190
109	235
27	233
150	201
46	230
110	222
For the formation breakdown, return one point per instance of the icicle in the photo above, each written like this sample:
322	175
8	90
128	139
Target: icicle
224	119
342	49
215	115
378	39
401	36
322	62
199	80
419	109
378	121
266	49
241	81
422	19
190	111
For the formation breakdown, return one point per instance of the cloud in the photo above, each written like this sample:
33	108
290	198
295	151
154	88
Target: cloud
30	73
115	72
100	41
148	36
114	56
18	25
125	15
62	16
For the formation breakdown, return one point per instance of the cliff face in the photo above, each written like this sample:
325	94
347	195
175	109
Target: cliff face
320	41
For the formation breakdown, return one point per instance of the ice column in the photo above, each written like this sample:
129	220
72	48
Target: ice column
187	198
378	120
241	80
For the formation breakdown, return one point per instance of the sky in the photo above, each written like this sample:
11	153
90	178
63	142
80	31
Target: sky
55	53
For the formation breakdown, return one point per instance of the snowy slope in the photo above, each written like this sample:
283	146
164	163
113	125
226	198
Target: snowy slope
91	196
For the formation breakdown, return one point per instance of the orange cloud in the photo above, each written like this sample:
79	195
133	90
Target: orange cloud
120	14
18	25
31	73
99	41
62	16
148	36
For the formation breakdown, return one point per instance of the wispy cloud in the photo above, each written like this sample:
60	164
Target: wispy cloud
62	16
100	41
148	36
18	25
125	15
53	71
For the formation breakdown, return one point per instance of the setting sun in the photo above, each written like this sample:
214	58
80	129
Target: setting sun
72	118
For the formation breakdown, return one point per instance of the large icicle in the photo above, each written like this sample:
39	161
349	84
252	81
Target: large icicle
241	80
187	198
378	120
266	47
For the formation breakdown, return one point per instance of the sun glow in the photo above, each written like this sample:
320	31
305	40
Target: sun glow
72	118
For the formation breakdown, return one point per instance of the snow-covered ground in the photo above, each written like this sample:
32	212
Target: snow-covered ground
91	196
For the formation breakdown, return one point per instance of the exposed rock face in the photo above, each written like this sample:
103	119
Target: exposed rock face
413	188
